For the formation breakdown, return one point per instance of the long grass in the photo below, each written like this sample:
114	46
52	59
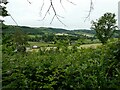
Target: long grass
40	44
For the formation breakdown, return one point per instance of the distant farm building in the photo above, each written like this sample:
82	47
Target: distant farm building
61	34
35	47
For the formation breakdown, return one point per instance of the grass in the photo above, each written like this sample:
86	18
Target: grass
33	36
48	46
41	44
90	45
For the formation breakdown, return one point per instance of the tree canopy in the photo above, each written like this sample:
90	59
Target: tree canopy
105	27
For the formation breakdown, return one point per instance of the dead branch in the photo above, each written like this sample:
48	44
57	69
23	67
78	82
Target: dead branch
29	1
54	10
58	17
41	8
71	2
55	14
89	13
13	19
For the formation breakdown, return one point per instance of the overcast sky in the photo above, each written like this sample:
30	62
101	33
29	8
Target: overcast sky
27	14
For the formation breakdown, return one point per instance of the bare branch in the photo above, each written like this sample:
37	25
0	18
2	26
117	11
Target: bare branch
71	2
29	1
51	6
62	4
52	19
60	20
47	12
55	13
89	13
13	19
54	10
41	8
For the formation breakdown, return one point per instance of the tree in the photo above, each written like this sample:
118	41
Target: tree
104	27
20	41
3	12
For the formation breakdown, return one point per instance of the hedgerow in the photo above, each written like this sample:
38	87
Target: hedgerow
73	69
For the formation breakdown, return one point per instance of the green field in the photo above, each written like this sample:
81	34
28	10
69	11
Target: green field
33	36
49	46
43	44
90	45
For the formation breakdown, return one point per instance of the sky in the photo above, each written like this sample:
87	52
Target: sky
26	14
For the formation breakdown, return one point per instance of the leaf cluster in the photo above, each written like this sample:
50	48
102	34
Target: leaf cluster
84	68
105	27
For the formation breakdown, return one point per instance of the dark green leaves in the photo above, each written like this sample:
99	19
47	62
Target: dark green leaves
105	27
84	68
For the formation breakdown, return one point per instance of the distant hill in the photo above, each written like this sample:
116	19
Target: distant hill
30	30
47	30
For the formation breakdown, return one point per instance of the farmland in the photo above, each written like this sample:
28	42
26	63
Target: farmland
73	60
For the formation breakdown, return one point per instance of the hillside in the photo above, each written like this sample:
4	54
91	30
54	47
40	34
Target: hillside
44	30
48	30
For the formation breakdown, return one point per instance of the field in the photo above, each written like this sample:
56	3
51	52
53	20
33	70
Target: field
75	61
41	44
90	45
48	46
65	69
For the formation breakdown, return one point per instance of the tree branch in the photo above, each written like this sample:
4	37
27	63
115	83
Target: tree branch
29	1
54	10
89	13
41	8
13	19
51	6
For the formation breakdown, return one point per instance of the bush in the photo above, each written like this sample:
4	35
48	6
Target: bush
84	68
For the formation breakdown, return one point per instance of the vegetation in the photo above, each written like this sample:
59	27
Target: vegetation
61	67
69	64
105	27
3	10
20	41
65	69
3	13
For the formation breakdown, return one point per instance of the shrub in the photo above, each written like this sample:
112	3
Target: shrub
84	68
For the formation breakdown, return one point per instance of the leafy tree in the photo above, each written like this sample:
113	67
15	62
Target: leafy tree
20	41
4	12
105	27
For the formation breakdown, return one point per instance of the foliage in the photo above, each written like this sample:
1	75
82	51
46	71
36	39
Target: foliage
3	10
105	27
20	41
71	69
12	42
45	30
7	43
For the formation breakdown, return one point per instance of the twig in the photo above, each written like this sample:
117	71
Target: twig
29	1
54	10
89	13
55	14
13	19
71	2
41	8
47	12
62	4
